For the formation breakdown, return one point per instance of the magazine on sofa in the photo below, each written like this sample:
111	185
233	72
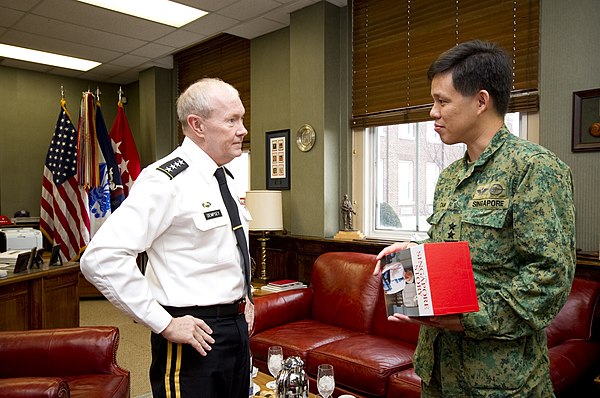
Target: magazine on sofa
429	279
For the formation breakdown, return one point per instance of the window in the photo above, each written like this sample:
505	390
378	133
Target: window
407	160
240	168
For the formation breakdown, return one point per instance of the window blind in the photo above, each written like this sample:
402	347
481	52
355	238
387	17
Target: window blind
395	42
226	57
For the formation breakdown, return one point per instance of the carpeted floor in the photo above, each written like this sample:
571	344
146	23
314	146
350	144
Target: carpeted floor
134	344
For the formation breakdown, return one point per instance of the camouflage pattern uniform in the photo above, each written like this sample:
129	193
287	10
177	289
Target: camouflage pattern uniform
514	206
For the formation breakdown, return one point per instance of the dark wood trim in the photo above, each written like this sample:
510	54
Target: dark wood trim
292	256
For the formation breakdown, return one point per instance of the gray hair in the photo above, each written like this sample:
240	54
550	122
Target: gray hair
197	98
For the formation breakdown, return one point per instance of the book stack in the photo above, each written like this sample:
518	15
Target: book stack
10	257
283	285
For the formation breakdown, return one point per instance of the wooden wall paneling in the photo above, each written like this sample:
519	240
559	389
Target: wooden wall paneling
292	257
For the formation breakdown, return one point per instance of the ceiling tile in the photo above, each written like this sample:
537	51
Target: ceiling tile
8	17
211	23
102	19
207	5
15	63
129	60
40	42
126	44
77	34
153	50
255	28
166	62
181	39
247	9
23	5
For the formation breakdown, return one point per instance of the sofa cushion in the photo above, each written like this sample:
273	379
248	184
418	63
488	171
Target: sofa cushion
572	363
400	330
345	290
405	384
296	338
363	362
581	305
281	308
39	387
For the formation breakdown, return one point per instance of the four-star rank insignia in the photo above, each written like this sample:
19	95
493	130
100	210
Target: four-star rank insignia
173	167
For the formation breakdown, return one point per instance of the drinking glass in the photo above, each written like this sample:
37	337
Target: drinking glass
325	380
274	362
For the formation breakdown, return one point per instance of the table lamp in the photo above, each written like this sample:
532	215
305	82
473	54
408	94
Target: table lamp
267	215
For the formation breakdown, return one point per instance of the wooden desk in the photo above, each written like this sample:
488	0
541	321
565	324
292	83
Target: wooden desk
41	298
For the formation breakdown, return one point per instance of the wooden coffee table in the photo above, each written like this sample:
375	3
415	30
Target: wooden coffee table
262	379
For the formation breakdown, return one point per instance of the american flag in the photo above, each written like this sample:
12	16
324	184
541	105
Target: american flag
64	217
126	152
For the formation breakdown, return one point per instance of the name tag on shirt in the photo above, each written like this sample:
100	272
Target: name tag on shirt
209	215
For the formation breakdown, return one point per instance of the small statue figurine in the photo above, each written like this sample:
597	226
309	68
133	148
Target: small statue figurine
347	212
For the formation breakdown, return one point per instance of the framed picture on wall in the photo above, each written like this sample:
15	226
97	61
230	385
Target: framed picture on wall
278	159
586	121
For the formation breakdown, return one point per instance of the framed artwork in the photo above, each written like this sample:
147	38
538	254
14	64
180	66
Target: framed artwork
55	258
22	262
278	159
586	121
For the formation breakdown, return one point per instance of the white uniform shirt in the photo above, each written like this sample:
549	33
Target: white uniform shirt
184	227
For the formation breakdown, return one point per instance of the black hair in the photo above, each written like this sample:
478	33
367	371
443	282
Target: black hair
477	65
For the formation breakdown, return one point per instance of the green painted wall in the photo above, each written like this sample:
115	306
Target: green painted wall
298	78
29	107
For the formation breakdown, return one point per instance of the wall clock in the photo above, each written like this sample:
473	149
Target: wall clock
305	137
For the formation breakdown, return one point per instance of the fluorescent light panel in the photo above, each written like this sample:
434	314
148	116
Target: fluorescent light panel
41	57
161	11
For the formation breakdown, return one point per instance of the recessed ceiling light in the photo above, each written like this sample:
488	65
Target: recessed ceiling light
162	11
41	57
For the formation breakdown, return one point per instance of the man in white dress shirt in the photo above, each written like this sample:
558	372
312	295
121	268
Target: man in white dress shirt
193	295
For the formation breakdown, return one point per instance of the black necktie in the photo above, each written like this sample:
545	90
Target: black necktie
238	230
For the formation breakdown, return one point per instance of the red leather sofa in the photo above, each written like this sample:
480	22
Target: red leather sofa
340	319
75	362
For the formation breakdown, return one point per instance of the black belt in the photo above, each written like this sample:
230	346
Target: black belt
209	311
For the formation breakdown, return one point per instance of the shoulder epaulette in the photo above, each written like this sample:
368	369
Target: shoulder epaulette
173	167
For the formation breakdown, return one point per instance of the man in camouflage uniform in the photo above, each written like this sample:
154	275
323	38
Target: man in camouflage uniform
512	200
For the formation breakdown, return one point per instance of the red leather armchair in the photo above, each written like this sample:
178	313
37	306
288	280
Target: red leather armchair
75	362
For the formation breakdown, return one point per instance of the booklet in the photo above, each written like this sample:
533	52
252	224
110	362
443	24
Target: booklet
283	285
429	279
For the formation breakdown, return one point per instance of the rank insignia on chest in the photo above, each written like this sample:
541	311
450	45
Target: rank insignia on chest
209	215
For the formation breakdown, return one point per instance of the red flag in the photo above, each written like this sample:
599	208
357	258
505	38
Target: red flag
64	217
126	152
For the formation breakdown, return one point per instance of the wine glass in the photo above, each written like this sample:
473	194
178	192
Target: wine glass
325	380
274	362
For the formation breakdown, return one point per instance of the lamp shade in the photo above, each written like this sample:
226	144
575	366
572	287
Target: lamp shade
266	210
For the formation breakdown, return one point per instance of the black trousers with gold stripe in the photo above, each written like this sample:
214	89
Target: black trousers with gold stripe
179	371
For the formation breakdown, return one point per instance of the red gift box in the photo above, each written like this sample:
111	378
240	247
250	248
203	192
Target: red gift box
430	279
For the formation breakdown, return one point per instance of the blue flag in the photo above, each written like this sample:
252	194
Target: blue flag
117	195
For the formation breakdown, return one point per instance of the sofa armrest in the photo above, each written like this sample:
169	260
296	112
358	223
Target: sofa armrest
60	352
34	387
280	308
